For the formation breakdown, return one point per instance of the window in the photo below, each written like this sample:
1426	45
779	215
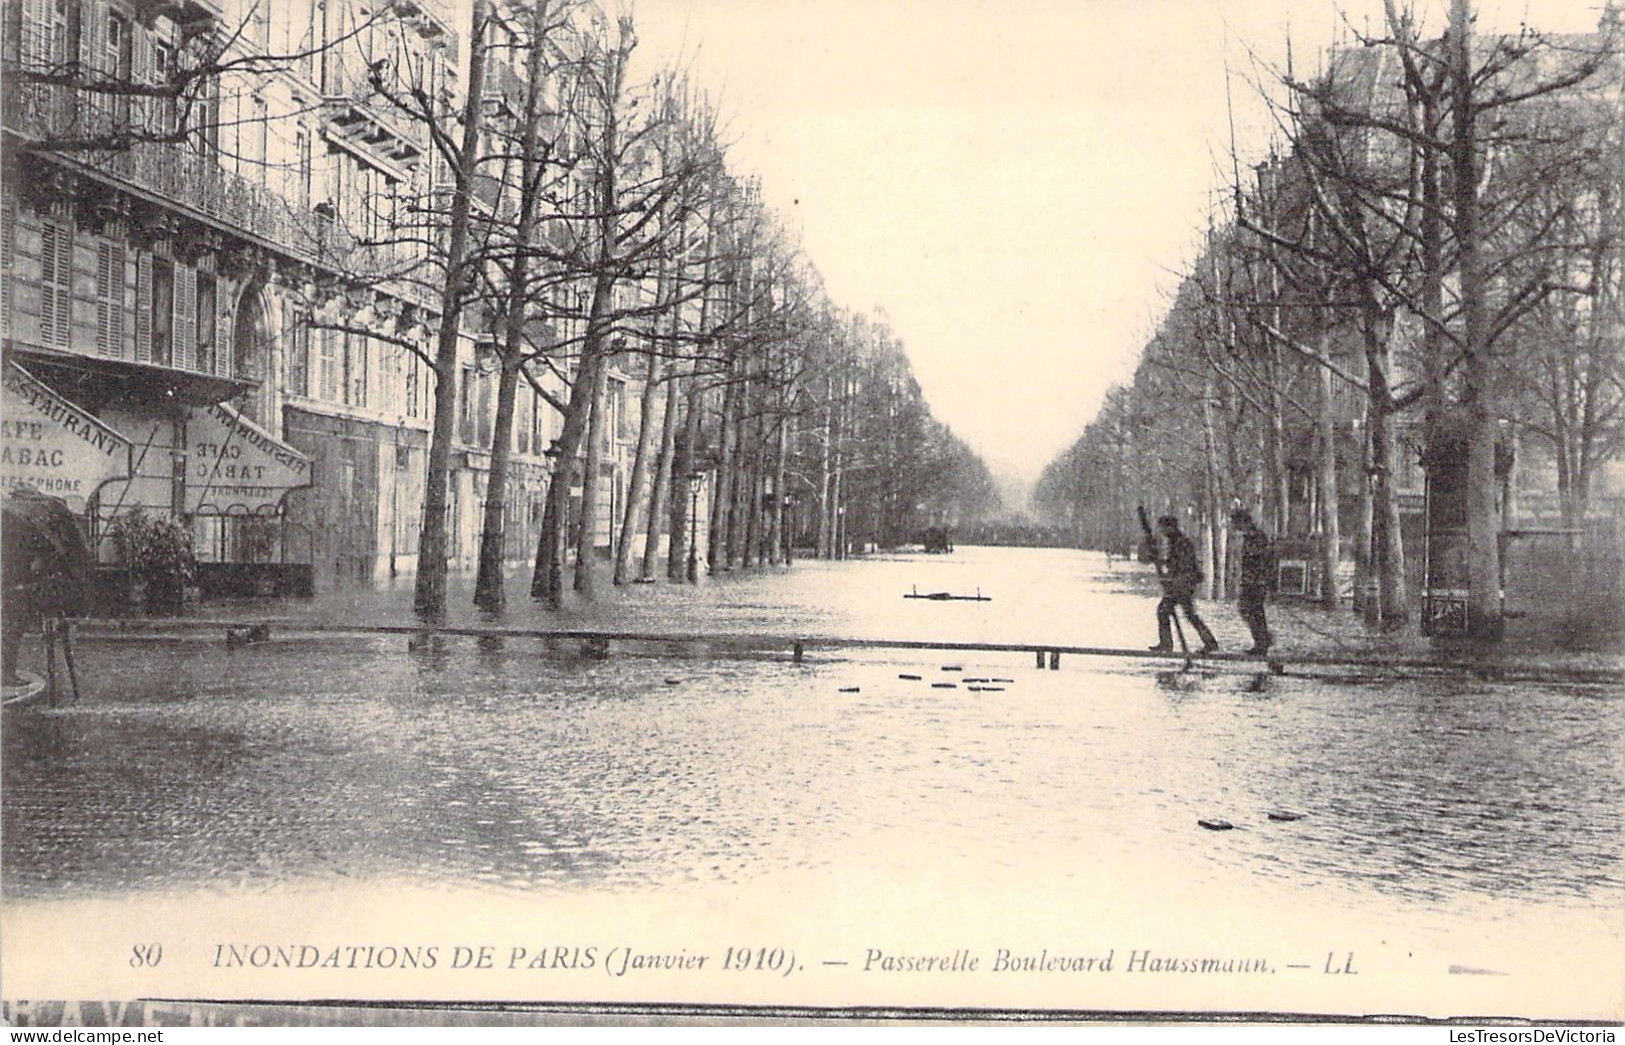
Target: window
116	59
355	368
483	428
207	342
327	377
207	137
56	284
411	384
259	23
110	299
57	36
465	427
186	318
162	311
296	362
525	406
302	182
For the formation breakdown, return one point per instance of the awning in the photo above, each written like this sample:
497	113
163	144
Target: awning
94	379
50	444
235	467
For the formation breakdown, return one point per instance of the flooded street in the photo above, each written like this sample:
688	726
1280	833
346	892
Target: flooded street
518	773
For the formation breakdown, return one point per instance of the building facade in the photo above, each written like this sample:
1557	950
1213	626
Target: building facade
223	260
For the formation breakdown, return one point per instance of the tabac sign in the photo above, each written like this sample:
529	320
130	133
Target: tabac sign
234	466
52	445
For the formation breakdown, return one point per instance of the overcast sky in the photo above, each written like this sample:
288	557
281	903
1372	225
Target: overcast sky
1016	183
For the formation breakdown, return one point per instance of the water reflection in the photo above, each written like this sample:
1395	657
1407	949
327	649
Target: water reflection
528	764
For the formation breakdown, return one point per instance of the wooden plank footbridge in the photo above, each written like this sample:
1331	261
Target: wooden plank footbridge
1331	666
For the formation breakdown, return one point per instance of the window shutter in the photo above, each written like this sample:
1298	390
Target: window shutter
56	284
8	258
185	317
141	72
38	19
110	299
327	373
143	308
92	58
223	331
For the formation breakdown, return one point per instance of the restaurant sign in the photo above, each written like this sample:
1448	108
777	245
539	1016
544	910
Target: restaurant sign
50	444
234	466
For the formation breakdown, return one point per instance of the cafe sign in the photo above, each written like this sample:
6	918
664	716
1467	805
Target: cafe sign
50	444
234	466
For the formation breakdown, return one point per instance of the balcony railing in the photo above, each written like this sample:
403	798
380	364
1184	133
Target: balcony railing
177	175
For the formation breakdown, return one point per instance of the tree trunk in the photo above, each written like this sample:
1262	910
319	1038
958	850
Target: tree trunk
635	499
587	536
1366	602
1213	547
429	597
683	501
1387	553
489	591
488	583
778	547
1478	376
547	579
1326	447
720	519
826	473
665	484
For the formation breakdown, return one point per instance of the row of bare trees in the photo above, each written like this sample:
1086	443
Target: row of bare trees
580	220
594	225
1434	251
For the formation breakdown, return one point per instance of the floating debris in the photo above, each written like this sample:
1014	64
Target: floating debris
850	689
1285	815
952	667
945	596
944	685
1002	680
245	635
911	678
1217	825
673	682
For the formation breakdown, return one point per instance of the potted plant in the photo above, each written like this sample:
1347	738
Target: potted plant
156	554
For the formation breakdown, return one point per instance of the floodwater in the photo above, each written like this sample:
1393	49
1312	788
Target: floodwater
525	769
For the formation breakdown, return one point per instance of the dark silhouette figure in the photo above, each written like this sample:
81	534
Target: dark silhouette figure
46	569
1180	576
1257	577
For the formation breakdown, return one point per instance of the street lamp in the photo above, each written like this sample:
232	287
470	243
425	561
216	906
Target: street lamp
695	480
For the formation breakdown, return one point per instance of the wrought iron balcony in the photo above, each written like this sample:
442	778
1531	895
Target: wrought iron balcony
176	175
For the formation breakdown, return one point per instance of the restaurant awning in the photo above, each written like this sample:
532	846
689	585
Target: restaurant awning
235	467
54	446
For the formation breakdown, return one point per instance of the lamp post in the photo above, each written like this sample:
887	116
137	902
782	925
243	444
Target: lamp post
787	527
695	479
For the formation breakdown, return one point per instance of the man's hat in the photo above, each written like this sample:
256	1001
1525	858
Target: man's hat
1168	522
1241	516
